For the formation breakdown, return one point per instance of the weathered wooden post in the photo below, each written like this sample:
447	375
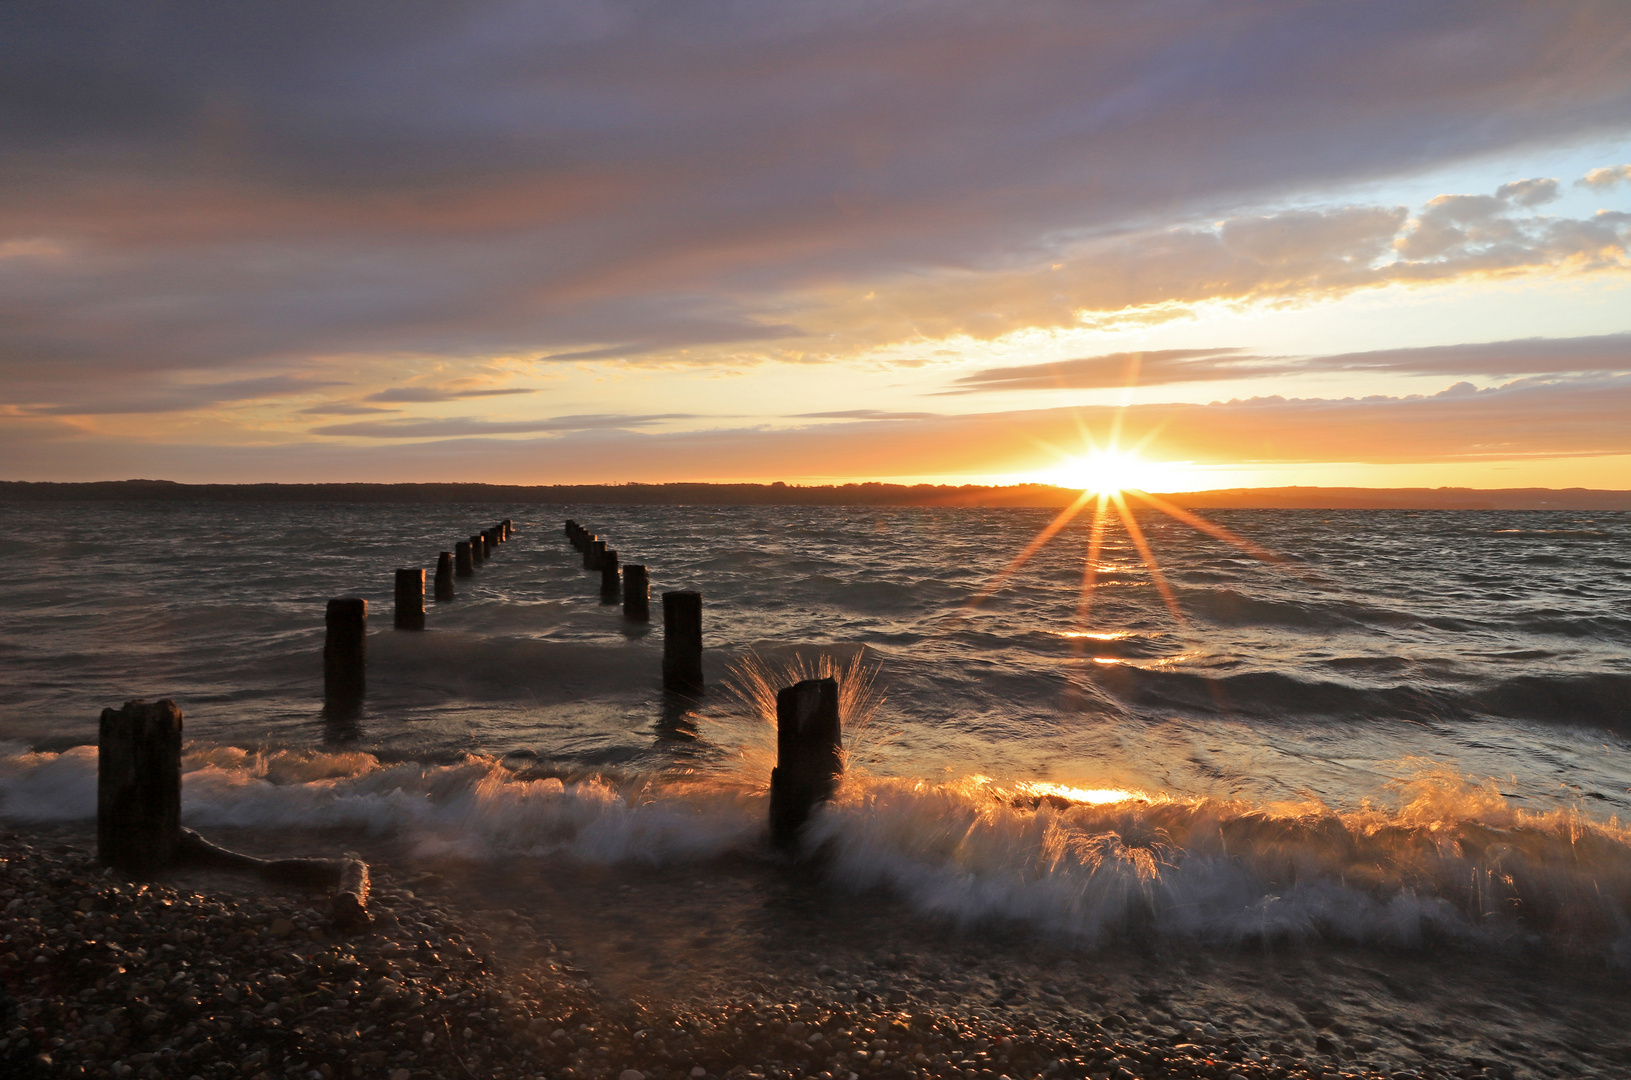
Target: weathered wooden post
498	534
487	544
636	593
444	576
597	554
568	530
478	550
682	642
809	755
345	651
508	526
410	599
610	587
588	549
462	565
138	786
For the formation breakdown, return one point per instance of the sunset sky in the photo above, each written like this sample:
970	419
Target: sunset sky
1372	243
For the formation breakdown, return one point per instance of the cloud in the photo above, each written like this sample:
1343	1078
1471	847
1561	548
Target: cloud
865	414
1574	417
257	184
467	426
1605	178
420	394
1528	192
174	399
1151	368
1530	356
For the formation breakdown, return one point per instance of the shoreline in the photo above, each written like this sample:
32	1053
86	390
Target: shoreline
508	971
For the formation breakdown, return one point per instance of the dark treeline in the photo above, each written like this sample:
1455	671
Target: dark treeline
779	494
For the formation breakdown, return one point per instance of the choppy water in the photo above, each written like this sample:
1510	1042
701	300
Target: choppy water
1414	727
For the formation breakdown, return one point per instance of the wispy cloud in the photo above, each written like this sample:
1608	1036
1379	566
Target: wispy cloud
1152	368
469	426
421	394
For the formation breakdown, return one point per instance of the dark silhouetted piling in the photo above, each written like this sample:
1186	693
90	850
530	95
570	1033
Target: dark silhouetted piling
478	550
462	565
809	755
636	593
497	532
597	554
487	544
410	599
444	576
682	642
138	786
588	549
611	588
508	526
345	651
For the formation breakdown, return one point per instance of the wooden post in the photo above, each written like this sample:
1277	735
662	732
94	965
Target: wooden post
410	599
508	526
138	786
462	564
609	585
487	544
809	756
444	576
478	550
345	651
498	534
597	554
682	642
588	548
636	593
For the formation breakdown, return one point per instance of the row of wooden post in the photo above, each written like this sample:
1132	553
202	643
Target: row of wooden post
345	640
682	609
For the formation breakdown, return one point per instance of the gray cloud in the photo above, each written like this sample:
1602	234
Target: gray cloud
1530	356
421	394
1535	192
266	181
1152	368
464	426
138	398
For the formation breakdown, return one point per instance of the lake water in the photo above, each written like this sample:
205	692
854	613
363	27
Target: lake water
1406	727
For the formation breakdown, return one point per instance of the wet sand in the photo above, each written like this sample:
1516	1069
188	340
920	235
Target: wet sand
741	968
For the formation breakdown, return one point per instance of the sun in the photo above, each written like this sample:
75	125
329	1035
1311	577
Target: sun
1106	472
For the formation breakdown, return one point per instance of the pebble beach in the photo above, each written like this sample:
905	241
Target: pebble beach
212	975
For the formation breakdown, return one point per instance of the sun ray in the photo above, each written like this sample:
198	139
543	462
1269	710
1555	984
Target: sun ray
1195	521
1144	552
1090	572
1064	518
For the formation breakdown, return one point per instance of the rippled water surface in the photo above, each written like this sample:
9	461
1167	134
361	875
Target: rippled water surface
1410	725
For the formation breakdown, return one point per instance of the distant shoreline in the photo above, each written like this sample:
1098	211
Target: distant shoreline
779	494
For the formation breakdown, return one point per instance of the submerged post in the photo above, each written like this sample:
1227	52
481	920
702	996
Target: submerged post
609	585
345	651
478	550
682	642
410	599
138	786
444	576
462	566
636	593
809	755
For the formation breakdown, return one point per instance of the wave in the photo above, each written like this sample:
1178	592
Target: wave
1445	859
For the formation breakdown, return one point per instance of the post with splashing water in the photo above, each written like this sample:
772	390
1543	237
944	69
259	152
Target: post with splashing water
462	566
138	786
809	756
410	599
609	585
682	642
636	593
345	652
